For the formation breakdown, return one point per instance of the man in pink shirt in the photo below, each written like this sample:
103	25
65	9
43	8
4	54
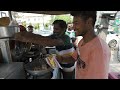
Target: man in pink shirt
92	55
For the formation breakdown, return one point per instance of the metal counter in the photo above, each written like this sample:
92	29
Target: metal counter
14	70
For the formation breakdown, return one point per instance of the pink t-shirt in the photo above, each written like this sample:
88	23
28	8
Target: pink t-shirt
96	54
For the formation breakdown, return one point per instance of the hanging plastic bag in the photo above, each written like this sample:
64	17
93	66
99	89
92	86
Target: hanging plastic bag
52	62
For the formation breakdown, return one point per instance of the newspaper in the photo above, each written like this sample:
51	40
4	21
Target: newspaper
52	61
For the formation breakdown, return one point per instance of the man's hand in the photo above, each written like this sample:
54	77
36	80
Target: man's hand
80	63
59	59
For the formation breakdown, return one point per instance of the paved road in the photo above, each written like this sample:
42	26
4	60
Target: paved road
114	63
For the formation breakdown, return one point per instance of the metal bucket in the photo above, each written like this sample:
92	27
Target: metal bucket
9	31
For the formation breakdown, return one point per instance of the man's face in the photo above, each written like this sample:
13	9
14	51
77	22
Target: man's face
57	29
79	25
30	29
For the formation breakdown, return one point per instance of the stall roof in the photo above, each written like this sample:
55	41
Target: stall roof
47	12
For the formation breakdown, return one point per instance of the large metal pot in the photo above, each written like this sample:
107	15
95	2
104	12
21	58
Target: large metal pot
29	67
9	31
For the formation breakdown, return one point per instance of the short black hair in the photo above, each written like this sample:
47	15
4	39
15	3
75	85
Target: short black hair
85	15
61	23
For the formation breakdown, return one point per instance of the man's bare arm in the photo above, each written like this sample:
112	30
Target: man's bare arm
68	59
37	39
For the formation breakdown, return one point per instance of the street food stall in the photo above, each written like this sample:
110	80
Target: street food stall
33	57
32	68
9	69
34	65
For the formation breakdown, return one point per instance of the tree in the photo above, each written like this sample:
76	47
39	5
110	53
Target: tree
24	23
36	26
66	18
46	26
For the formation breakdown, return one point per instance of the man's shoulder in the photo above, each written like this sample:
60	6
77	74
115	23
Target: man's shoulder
101	44
65	38
102	41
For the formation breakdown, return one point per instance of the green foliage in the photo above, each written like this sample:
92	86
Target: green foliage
24	23
66	18
30	23
46	26
37	26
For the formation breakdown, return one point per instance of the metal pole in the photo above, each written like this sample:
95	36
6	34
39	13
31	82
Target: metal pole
10	15
5	49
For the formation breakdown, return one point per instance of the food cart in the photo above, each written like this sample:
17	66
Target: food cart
7	34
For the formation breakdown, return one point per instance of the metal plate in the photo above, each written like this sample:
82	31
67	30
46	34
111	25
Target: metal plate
14	70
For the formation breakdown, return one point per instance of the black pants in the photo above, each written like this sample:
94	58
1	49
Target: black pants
68	75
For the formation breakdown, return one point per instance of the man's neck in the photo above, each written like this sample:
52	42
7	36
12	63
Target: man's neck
89	36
